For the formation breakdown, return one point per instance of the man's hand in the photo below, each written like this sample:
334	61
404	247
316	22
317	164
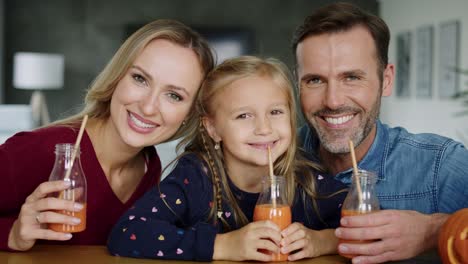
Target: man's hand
399	234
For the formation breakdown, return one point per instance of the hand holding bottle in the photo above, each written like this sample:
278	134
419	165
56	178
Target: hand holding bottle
39	210
272	205
68	168
361	199
301	242
248	242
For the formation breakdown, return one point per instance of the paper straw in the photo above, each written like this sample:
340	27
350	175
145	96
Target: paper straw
67	192
356	171
272	178
77	144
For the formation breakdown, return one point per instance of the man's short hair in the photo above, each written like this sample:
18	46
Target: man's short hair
339	17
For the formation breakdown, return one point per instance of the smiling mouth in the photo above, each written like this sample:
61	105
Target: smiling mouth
263	145
337	120
139	123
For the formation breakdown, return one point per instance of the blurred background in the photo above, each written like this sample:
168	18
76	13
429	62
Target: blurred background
429	46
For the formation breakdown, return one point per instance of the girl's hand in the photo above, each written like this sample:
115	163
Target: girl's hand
36	212
307	243
246	243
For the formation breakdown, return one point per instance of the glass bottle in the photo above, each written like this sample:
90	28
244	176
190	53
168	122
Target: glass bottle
356	204
77	190
272	205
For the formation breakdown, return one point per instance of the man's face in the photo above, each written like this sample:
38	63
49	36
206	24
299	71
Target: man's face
340	88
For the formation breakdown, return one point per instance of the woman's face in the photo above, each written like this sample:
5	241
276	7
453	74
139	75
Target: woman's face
155	95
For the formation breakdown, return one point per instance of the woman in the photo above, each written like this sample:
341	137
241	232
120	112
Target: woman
142	97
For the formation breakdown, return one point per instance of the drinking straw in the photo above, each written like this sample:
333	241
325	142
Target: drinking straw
355	169
72	161
272	178
77	144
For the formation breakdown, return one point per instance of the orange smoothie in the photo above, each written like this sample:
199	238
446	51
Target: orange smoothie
351	213
281	215
71	228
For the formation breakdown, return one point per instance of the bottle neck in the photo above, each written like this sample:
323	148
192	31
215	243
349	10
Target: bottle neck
66	169
361	197
66	149
64	153
365	180
274	188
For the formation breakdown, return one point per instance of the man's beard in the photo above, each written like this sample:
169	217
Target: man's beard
357	135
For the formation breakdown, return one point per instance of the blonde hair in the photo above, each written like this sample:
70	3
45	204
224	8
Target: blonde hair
98	97
290	164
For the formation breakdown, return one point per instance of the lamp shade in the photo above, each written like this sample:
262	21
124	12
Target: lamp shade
38	71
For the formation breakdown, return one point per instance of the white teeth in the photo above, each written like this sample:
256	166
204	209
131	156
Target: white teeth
338	120
139	123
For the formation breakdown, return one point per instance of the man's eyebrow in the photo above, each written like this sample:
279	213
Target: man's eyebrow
309	76
353	72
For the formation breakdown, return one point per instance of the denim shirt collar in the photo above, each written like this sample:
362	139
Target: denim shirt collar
374	160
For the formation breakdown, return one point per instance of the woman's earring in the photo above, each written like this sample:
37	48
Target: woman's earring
184	123
216	146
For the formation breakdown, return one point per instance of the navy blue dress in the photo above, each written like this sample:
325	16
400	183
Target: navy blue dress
171	222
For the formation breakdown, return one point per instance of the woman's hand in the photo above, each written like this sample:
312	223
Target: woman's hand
246	243
36	212
307	243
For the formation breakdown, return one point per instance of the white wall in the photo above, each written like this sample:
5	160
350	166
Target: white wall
426	115
167	153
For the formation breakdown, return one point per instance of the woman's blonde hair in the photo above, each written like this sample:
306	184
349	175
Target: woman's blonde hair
98	97
289	164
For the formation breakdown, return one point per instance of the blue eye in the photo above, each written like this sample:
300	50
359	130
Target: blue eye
315	80
139	78
312	82
175	97
352	78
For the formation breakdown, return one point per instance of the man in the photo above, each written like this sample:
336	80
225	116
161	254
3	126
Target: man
343	71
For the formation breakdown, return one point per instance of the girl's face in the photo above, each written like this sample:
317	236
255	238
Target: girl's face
250	114
151	101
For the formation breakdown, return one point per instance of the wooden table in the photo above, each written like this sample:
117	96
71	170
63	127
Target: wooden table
47	254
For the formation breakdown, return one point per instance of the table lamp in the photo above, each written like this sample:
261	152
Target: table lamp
38	71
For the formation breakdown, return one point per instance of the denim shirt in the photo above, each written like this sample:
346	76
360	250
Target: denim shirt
423	172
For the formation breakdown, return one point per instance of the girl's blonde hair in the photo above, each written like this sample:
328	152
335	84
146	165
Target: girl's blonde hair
98	97
290	164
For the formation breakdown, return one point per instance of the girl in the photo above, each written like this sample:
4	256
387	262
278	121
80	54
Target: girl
203	209
140	99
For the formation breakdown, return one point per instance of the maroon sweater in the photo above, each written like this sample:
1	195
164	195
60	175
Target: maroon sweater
26	160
